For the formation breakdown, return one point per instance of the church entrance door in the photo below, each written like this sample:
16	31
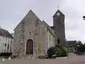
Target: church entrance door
29	46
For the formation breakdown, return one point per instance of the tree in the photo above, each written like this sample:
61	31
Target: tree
80	48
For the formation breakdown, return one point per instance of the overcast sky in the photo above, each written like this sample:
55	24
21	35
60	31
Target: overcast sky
13	11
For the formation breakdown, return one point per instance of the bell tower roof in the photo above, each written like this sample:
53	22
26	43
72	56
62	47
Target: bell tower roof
58	13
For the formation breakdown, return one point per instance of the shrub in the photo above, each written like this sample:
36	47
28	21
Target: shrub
51	51
63	50
57	51
59	46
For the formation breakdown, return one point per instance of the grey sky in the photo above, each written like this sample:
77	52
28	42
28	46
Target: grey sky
12	11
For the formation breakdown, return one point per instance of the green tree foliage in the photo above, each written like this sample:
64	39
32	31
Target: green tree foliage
80	48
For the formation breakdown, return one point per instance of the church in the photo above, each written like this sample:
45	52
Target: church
34	37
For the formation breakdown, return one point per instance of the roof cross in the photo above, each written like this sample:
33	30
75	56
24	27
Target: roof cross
58	6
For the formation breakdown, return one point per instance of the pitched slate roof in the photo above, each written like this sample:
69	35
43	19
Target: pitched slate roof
71	43
5	33
57	12
49	28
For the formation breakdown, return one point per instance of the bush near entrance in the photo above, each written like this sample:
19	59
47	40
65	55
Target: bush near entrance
51	51
57	51
63	50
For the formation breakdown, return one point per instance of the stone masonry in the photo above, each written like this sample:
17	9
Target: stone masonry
34	37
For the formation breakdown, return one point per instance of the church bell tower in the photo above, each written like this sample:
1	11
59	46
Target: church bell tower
59	27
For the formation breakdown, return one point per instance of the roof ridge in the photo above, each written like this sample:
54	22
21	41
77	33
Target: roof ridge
5	33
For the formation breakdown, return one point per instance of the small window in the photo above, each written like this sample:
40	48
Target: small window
58	41
5	45
10	50
8	46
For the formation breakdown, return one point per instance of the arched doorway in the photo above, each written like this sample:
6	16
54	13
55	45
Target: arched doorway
29	46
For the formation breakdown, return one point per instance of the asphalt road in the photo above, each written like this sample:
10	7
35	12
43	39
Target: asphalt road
72	59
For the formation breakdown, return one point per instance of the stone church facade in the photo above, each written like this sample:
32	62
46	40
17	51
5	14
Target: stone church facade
34	37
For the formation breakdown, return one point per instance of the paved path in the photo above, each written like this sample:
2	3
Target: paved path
72	59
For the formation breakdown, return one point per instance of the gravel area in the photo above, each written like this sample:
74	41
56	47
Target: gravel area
71	59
